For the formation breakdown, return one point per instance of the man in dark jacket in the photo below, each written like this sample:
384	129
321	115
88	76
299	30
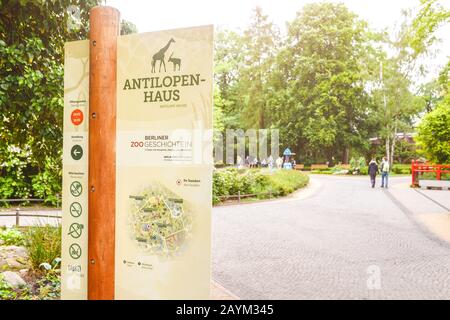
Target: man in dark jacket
373	170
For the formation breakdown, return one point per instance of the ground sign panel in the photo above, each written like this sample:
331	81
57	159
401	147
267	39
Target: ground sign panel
163	161
75	171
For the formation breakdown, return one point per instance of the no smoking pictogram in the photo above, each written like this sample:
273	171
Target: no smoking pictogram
77	117
75	230
76	209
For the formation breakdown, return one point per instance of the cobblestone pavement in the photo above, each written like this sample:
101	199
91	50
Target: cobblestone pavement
344	241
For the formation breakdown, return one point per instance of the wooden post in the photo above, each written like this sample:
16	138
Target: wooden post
104	29
17	217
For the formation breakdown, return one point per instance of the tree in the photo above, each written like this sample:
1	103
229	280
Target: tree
411	41
127	27
319	102
397	105
431	16
228	63
32	37
261	39
433	134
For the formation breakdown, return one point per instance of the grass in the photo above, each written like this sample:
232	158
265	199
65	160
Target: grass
44	249
284	182
259	183
43	244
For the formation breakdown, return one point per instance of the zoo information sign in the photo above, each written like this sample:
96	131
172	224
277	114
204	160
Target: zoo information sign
75	171
163	173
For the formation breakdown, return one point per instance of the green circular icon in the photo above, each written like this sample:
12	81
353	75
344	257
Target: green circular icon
75	230
75	251
76	152
76	188
75	209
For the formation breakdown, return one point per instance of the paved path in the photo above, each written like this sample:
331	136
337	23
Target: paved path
39	220
343	240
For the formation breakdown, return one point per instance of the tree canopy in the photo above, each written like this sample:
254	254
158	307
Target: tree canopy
332	82
32	37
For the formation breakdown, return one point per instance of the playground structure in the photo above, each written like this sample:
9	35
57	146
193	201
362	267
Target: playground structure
418	168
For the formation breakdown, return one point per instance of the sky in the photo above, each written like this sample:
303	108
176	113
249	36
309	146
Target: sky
151	15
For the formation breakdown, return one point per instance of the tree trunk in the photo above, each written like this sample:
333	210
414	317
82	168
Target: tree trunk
394	139
345	155
388	147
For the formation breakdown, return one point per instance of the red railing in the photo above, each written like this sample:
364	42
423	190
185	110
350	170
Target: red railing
420	167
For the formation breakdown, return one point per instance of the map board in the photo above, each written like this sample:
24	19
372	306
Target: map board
163	195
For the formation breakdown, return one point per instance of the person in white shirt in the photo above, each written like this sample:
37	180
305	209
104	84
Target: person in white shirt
384	172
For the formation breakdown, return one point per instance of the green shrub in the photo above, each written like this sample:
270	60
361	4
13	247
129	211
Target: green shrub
12	236
47	183
43	244
432	176
6	292
13	178
401	169
255	181
358	165
318	171
364	171
433	133
284	182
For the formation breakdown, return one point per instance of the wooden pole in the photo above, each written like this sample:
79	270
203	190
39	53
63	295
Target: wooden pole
104	29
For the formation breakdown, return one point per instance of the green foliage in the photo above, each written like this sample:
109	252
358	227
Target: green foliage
231	181
14	180
50	283
322	171
43	244
47	183
319	102
49	286
432	176
12	236
254	181
405	152
321	85
284	182
260	40
401	169
32	37
42	286
358	166
6	292
127	27
431	16
434	134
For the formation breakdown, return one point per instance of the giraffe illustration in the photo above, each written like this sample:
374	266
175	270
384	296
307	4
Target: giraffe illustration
160	56
175	61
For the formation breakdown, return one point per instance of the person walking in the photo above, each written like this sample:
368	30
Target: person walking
373	170
279	162
384	172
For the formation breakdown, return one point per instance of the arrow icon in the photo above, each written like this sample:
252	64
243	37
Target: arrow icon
76	152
